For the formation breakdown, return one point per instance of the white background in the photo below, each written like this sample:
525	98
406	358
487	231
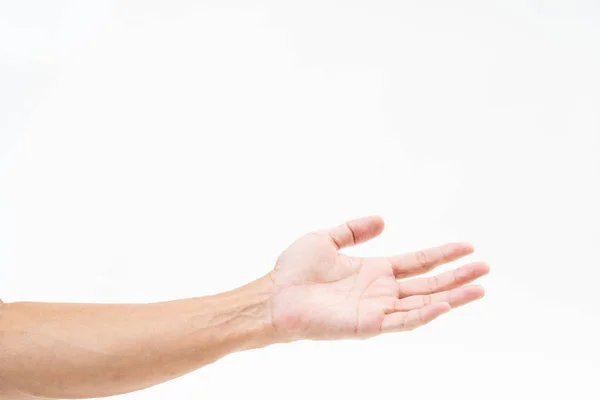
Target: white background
159	150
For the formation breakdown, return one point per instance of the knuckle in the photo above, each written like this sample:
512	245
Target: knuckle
423	259
393	306
455	276
350	233
432	284
402	324
426	301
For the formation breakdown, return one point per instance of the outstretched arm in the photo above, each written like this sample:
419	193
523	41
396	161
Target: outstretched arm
94	350
314	292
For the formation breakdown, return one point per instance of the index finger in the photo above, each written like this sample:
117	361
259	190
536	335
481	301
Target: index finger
425	260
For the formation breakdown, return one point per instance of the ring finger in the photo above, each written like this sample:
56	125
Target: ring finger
455	297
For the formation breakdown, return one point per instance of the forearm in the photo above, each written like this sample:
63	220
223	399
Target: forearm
83	350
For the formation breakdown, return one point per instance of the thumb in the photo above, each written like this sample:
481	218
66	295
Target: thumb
356	231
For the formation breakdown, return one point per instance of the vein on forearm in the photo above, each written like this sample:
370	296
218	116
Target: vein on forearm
87	350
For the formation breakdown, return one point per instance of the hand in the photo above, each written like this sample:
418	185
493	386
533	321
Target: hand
322	294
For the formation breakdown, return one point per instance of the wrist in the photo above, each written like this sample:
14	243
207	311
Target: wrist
256	313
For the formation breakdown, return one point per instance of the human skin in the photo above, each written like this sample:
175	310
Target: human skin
62	350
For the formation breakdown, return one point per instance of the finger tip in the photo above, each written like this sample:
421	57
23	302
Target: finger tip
485	268
478	291
378	221
480	268
467	247
460	249
377	224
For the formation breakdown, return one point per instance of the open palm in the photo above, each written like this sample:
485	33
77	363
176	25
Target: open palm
323	294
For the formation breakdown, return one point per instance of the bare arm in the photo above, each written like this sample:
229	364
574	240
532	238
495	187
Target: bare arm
93	350
314	292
